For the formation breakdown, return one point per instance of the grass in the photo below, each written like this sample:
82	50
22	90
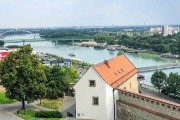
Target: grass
29	115
52	104
4	100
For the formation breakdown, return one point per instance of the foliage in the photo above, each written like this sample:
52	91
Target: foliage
158	79
30	115
27	114
23	75
137	39
79	64
48	114
4	100
13	46
172	84
58	79
52	104
1	43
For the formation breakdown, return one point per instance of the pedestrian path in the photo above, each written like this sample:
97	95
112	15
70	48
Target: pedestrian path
68	106
5	115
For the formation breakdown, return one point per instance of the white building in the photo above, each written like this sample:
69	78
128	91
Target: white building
167	30
95	92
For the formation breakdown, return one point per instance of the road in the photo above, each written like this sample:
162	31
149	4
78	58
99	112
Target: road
157	95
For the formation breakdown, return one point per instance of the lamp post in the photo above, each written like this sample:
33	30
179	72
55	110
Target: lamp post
24	102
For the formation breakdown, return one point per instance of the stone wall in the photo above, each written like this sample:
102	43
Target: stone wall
133	106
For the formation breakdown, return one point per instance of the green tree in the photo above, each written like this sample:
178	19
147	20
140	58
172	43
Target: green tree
1	43
158	79
172	84
58	79
23	76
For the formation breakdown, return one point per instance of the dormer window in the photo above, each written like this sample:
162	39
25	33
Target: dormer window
92	83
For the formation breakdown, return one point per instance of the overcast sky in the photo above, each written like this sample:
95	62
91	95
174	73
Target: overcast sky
57	13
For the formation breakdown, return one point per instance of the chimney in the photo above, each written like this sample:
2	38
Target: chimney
106	62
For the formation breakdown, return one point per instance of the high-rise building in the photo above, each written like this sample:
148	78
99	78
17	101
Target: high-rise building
167	30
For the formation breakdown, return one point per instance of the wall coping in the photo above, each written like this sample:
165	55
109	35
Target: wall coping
150	97
148	110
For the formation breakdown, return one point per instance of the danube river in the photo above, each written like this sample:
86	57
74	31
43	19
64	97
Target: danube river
94	56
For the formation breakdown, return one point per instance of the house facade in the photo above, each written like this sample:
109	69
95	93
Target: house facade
96	93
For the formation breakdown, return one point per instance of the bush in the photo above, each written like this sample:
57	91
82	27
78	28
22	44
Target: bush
1	42
48	114
13	46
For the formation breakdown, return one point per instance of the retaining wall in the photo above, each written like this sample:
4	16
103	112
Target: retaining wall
132	106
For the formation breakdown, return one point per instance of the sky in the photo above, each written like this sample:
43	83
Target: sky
64	13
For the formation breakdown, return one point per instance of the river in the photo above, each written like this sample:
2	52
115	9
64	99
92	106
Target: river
94	56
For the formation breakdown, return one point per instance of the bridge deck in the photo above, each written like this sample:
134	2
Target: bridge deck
160	67
43	39
22	40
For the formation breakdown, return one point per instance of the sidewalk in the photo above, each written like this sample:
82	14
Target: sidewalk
5	115
68	106
16	106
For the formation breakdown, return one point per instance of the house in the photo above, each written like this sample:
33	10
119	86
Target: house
3	54
59	62
96	93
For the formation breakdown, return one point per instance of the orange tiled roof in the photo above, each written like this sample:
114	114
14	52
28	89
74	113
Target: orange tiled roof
116	70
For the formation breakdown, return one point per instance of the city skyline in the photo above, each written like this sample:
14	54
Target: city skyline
63	13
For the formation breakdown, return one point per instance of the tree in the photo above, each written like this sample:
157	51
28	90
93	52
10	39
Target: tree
23	76
158	79
1	43
58	79
172	84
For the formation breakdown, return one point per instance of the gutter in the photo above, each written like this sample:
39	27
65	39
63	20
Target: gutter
114	104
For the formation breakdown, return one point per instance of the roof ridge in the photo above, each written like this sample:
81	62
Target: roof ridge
110	60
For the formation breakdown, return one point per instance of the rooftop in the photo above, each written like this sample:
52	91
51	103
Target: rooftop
116	70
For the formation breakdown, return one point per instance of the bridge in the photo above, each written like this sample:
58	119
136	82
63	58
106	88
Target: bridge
23	40
6	33
16	30
159	67
34	39
43	39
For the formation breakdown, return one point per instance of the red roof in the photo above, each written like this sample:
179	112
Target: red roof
4	53
116	70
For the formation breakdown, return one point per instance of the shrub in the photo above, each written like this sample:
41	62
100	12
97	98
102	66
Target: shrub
1	42
13	46
48	114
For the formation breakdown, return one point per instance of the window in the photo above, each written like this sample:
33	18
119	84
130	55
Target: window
95	100
92	83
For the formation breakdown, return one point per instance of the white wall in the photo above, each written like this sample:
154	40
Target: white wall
84	94
110	101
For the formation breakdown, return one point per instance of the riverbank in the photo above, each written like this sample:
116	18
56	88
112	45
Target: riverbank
117	47
94	56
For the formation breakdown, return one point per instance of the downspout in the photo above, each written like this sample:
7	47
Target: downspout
114	104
